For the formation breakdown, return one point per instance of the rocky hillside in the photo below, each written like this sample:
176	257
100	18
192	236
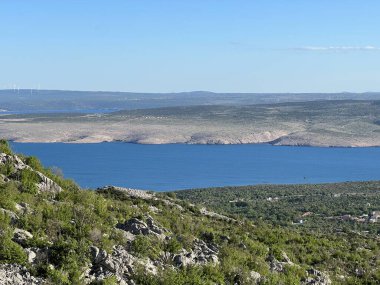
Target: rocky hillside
52	232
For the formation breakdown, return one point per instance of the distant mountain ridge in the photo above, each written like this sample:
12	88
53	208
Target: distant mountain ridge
29	100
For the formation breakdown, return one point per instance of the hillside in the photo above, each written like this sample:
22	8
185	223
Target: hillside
348	123
52	232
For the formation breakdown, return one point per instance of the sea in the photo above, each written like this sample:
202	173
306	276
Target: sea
184	166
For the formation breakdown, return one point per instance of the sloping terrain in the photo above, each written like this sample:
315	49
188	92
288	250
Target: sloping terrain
56	233
316	123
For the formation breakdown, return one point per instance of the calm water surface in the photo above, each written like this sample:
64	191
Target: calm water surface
178	166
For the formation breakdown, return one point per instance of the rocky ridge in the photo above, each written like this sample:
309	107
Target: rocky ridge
16	165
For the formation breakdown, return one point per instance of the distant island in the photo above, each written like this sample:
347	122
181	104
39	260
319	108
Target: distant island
324	123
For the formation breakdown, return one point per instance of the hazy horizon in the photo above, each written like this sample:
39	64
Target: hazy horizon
178	92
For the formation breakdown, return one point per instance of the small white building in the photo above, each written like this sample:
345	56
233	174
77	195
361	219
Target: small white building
375	217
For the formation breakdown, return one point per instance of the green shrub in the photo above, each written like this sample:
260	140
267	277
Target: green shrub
141	246
29	179
171	195
208	236
34	163
8	194
4	223
111	280
5	148
7	168
11	252
173	245
66	184
58	277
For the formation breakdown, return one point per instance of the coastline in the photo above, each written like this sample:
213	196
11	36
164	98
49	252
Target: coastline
275	143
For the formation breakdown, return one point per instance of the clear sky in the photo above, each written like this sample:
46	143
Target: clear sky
178	45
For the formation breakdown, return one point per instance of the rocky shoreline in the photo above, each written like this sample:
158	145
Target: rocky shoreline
282	141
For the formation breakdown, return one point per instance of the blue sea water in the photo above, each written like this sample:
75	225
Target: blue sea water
179	166
68	111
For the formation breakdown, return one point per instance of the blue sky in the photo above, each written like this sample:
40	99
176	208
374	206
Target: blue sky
174	46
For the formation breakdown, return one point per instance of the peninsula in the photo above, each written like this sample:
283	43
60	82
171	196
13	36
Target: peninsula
325	123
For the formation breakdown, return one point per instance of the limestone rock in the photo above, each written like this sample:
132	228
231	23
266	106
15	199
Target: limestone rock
134	226
279	266
23	208
134	193
31	255
254	277
154	209
3	178
119	263
13	160
11	274
21	236
211	214
200	254
139	227
45	184
14	218
316	277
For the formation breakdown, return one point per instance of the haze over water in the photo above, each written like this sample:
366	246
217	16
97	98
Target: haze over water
178	166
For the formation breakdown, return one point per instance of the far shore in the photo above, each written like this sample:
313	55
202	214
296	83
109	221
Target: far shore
318	124
185	143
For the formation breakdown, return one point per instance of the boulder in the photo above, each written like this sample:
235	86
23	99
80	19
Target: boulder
3	178
119	263
183	259
316	277
21	236
31	255
134	226
37	255
47	185
94	252
23	208
153	227
279	266
254	277
14	218
139	227
154	209
201	253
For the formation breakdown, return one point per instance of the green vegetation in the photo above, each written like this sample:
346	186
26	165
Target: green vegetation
10	252
338	215
66	224
321	207
4	147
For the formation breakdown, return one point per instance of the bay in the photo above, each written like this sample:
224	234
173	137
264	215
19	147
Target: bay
180	166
